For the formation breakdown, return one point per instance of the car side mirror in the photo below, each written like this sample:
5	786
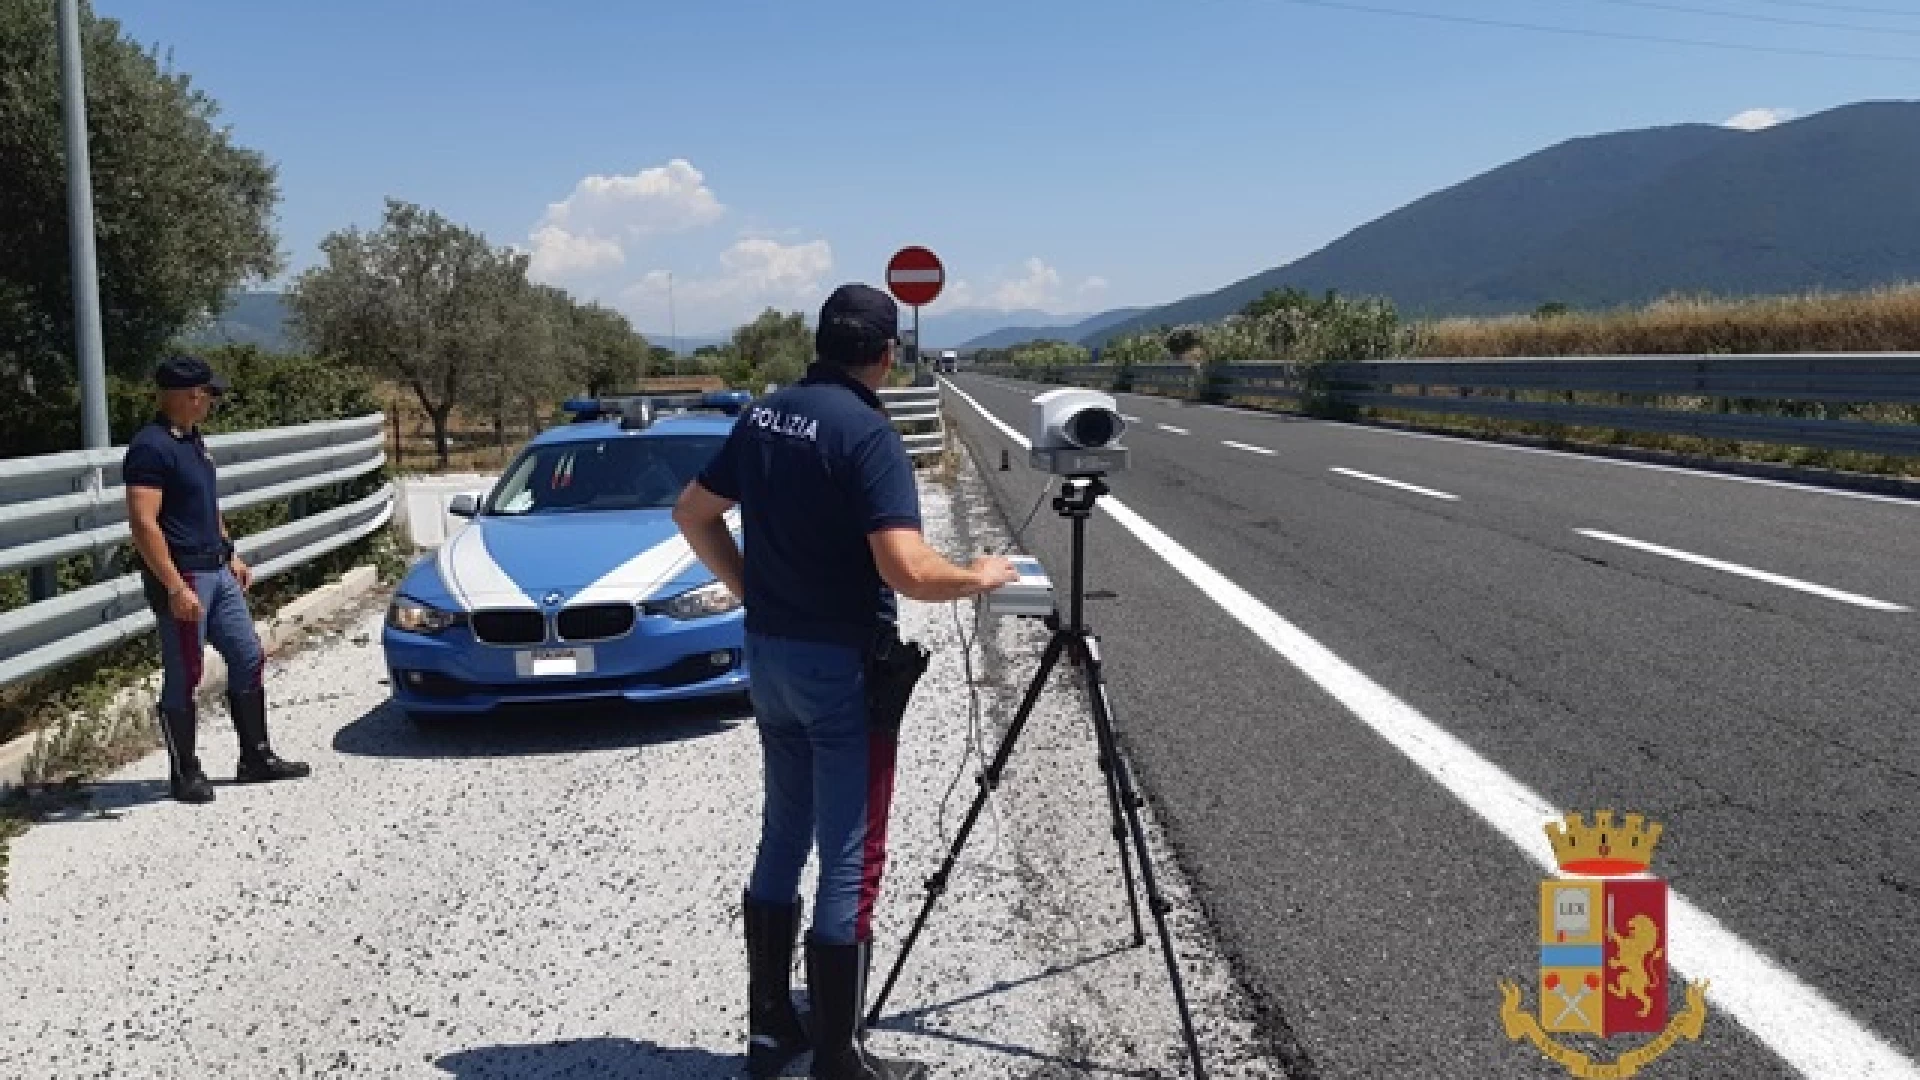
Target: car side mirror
464	505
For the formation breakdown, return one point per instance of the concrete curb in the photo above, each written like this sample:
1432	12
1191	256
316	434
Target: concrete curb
278	632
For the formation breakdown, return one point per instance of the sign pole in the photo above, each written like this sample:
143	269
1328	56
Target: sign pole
86	283
915	277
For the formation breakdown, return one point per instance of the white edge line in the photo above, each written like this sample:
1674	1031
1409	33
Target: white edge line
1170	427
1791	1018
1722	565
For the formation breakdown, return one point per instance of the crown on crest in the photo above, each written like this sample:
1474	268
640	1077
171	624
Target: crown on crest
1605	847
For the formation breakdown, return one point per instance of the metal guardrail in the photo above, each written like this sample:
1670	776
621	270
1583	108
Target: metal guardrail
1492	387
915	411
56	506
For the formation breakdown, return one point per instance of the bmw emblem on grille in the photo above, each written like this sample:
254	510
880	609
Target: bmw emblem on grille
554	597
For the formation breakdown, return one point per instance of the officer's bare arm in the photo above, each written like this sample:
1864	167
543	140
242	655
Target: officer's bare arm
912	568
143	517
702	518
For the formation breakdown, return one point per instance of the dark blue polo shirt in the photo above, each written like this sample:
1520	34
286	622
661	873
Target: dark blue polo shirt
181	468
816	467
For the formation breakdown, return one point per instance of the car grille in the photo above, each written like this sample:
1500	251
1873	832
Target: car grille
594	622
509	627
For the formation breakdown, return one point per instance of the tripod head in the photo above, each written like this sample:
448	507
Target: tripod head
1077	495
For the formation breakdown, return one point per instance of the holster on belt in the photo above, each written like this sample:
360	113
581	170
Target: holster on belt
894	666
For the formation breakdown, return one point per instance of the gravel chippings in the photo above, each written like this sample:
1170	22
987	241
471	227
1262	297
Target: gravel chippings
558	896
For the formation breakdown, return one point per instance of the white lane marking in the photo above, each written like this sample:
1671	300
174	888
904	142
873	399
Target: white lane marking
1244	446
1855	599
1170	427
1792	1019
1129	419
1429	492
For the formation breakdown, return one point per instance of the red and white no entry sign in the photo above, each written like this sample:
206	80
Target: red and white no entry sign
914	276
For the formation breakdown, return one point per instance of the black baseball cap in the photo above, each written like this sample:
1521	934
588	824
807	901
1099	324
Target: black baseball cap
857	314
184	372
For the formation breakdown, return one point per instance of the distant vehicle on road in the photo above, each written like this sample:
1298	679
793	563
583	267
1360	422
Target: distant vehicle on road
949	361
572	583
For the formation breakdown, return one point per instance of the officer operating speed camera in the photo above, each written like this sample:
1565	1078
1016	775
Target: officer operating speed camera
831	522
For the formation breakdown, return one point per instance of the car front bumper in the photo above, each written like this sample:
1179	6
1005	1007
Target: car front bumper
659	660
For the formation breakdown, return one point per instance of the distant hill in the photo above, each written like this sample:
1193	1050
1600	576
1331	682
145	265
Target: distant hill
252	318
1821	203
953	328
1008	336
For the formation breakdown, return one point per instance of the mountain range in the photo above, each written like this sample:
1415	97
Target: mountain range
1825	202
1821	203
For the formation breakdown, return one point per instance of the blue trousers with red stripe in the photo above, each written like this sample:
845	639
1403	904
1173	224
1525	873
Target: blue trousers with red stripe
224	623
828	782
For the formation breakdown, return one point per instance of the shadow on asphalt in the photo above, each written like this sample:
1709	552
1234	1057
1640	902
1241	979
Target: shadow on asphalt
579	1059
1076	1062
387	732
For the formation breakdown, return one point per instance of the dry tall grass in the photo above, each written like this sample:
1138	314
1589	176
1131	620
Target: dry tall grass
1884	320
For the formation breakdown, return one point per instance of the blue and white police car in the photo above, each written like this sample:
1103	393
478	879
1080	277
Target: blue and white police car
571	582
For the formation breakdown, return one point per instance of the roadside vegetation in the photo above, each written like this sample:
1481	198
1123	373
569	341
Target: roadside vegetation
1308	333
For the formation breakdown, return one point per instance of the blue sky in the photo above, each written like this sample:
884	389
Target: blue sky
1067	156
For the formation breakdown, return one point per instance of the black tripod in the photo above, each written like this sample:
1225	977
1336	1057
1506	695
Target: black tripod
1073	638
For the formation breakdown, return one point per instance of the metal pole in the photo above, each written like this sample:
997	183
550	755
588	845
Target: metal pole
916	343
86	285
673	324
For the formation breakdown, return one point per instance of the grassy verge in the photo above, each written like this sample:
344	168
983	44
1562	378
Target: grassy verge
1883	320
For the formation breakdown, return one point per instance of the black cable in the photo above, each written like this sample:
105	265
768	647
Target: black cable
1612	35
1020	533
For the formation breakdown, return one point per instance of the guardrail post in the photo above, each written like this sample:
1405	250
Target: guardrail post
43	582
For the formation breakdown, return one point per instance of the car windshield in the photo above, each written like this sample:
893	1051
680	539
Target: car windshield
619	473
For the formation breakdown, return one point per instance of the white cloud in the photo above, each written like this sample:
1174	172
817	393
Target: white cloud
1036	286
1039	287
591	229
756	272
1094	286
558	253
1758	119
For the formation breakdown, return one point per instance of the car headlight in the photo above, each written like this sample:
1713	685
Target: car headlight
710	599
417	618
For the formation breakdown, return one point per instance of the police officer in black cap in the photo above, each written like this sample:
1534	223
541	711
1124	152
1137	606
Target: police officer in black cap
831	520
194	581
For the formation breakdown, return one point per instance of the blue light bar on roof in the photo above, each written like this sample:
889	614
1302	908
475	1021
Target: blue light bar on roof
639	410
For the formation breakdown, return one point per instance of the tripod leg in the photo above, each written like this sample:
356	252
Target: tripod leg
1086	656
1130	804
937	884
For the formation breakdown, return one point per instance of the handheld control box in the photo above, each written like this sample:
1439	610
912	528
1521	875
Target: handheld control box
1029	598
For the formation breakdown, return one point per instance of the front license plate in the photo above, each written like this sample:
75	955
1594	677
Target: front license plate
540	663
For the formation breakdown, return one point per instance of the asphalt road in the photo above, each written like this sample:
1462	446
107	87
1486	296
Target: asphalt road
1430	632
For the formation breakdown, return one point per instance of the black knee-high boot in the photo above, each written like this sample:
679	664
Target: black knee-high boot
258	763
837	986
775	1035
185	780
